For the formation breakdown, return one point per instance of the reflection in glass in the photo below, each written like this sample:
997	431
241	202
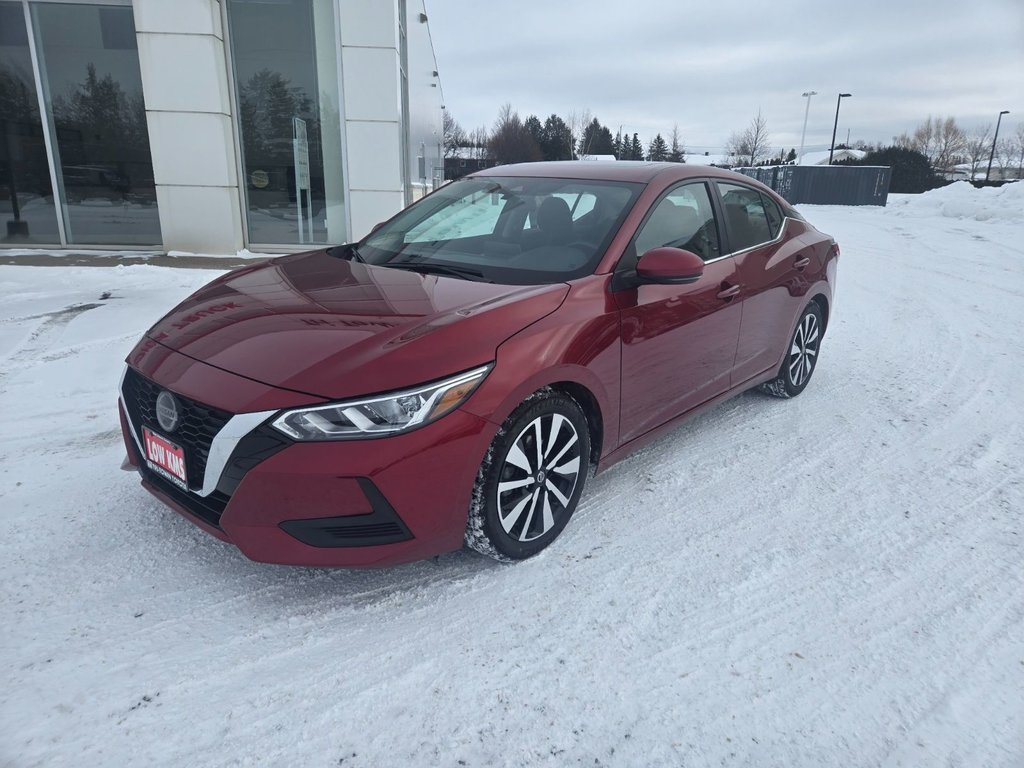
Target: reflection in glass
90	67
282	89
27	214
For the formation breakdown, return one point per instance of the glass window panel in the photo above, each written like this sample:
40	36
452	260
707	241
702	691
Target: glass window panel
296	77
745	216
683	219
93	88
26	192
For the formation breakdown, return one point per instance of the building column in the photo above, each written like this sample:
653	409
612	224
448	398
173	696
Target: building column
372	91
188	110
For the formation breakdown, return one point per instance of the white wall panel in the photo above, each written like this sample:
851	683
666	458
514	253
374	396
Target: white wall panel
184	73
371	90
193	148
374	158
194	17
200	219
372	23
370	208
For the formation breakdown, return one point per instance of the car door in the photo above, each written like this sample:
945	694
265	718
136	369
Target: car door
678	341
770	272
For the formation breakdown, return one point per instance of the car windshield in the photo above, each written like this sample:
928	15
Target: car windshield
525	231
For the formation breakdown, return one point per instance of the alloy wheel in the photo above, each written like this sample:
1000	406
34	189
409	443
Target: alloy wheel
538	477
804	351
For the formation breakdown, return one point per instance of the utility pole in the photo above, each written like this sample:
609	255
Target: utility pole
836	126
992	154
803	134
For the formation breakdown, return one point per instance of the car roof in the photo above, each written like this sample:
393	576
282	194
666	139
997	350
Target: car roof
620	170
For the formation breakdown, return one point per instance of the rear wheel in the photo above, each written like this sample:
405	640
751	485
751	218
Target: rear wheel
532	478
801	355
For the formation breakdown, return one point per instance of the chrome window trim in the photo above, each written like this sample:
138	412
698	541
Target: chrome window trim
221	447
773	241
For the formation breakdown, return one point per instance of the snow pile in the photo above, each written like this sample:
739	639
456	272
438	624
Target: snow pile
961	200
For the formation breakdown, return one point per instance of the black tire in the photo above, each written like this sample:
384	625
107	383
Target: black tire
520	504
801	355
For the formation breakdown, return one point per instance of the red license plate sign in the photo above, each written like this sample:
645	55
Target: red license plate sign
165	458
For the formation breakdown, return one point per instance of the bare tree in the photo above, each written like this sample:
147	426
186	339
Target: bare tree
1018	147
979	141
950	143
676	150
511	141
476	141
903	141
924	138
750	145
578	120
1006	156
454	136
939	139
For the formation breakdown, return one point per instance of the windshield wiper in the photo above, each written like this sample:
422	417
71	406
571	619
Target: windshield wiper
440	269
349	251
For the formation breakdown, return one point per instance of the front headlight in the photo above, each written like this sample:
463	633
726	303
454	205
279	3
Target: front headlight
382	415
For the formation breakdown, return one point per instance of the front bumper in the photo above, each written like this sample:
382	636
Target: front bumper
356	503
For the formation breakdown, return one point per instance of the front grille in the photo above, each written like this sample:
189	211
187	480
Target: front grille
198	425
208	509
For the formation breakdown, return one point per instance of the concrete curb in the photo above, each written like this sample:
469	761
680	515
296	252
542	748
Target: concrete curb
86	259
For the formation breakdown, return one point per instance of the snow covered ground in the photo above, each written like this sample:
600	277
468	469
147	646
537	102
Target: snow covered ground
835	580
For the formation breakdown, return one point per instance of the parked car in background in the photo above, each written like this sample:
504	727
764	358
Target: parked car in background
455	376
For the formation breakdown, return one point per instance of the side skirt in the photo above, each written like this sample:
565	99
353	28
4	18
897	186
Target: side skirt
638	442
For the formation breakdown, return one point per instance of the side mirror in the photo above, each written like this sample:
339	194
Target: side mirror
670	266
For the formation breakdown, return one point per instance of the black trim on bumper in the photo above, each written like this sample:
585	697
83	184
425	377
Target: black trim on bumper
381	526
208	509
257	446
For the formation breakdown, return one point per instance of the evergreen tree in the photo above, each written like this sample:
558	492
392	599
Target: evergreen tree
636	151
791	157
617	145
556	139
596	140
911	171
536	130
657	150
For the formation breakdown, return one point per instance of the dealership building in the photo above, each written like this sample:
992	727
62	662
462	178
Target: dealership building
209	126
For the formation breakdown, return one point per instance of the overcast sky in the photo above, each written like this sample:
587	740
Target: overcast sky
709	66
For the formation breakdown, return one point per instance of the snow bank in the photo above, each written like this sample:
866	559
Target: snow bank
961	200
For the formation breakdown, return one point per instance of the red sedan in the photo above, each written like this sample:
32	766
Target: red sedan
454	378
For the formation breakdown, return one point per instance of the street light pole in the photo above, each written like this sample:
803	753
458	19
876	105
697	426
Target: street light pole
992	154
803	134
836	126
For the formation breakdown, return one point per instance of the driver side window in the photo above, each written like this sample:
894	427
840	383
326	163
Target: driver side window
683	219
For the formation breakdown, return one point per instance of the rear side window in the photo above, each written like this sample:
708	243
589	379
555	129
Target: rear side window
774	215
745	216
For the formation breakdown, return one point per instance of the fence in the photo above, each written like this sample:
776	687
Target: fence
826	184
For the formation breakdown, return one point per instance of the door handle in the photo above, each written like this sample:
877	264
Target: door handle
802	262
728	293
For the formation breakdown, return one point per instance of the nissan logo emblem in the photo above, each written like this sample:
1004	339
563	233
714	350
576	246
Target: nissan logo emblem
167	411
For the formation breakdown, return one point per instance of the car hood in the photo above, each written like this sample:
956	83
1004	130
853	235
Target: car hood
334	328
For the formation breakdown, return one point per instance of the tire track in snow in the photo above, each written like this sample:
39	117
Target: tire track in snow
40	339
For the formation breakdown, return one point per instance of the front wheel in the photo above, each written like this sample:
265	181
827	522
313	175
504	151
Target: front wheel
801	357
531	479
